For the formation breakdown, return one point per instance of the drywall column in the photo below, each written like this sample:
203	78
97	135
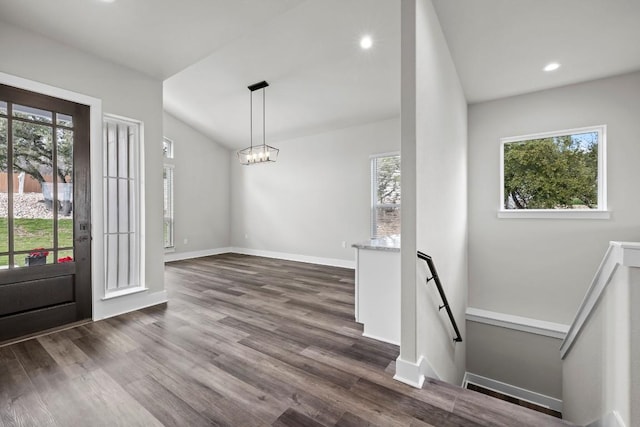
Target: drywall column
407	365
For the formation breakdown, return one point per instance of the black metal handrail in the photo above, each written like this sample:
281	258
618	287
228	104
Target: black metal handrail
436	279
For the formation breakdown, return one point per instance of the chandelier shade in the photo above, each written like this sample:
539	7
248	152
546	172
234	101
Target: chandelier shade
263	153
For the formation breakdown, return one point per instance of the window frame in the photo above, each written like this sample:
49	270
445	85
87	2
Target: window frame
168	153
601	212
171	208
137	259
374	198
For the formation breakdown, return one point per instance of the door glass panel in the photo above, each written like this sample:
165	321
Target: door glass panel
64	120
30	113
3	107
4	227
65	187
33	206
65	256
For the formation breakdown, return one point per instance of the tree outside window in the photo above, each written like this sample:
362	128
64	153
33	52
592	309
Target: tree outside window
385	210
558	171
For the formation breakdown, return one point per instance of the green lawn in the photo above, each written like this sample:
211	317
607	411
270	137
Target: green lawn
35	233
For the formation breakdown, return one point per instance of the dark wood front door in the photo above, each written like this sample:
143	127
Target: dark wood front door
45	211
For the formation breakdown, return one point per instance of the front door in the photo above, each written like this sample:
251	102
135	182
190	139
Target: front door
45	230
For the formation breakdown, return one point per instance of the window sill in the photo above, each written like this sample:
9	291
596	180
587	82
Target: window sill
554	214
169	249
124	292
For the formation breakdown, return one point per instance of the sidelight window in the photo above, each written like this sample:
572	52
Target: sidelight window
122	196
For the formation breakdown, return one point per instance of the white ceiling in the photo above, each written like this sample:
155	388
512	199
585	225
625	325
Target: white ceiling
209	51
156	37
319	76
501	46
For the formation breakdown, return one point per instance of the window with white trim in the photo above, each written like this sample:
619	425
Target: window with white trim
553	173
122	204
168	206
385	195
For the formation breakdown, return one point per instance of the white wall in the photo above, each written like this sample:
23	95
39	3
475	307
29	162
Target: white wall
541	268
123	92
597	372
441	198
441	140
317	194
529	361
201	190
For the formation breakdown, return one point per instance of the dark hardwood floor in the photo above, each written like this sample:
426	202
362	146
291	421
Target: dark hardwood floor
243	341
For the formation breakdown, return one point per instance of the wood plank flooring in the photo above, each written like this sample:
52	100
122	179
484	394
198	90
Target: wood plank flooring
243	341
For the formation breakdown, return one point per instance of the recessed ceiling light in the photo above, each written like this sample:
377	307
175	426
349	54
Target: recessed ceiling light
551	66
366	42
107	1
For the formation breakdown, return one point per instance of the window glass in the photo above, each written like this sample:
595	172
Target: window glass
385	215
557	171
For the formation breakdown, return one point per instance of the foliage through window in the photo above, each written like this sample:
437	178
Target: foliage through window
36	185
554	171
385	192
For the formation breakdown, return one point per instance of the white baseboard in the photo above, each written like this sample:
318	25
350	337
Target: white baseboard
409	373
511	390
179	256
518	323
612	419
117	306
333	262
414	374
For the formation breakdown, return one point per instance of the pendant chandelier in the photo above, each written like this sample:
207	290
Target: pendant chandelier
259	153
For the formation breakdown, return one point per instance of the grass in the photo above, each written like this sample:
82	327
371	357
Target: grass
30	234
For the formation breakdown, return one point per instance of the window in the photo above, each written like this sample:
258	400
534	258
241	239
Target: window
385	195
36	183
167	150
554	174
168	206
122	204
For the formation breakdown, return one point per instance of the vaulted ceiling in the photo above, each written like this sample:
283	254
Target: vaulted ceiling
208	51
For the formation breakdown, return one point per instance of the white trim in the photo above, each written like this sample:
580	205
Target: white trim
138	260
124	292
626	254
117	306
333	262
179	256
95	106
373	337
511	390
414	374
600	213
518	323
612	419
388	154
409	373
554	214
